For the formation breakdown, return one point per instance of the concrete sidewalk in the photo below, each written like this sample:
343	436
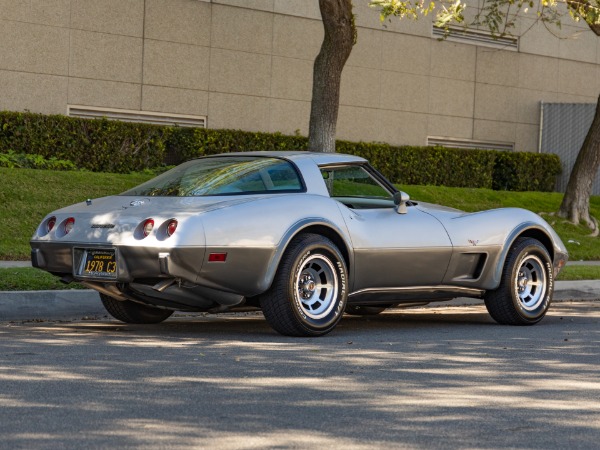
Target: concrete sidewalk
14	264
76	303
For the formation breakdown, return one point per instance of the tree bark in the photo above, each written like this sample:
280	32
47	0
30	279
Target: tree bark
338	23
576	202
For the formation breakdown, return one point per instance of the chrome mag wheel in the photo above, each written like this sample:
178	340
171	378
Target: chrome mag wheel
317	286
531	283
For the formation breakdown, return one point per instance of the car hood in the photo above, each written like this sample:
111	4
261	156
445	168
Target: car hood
436	210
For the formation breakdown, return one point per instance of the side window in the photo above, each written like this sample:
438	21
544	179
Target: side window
353	181
282	177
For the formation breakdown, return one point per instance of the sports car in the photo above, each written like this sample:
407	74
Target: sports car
302	236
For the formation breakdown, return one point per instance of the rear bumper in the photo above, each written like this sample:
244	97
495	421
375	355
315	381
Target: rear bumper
132	262
247	270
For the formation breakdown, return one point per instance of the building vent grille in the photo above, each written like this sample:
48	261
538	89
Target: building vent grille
564	127
476	37
469	144
124	115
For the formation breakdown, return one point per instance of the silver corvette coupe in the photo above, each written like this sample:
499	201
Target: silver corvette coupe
302	236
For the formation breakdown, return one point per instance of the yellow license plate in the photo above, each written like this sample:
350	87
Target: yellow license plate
99	264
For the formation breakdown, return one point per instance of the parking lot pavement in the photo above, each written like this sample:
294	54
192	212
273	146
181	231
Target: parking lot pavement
446	377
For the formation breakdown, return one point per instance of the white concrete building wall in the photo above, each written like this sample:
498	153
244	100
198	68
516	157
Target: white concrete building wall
247	64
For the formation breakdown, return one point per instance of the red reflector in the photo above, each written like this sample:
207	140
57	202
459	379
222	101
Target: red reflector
217	257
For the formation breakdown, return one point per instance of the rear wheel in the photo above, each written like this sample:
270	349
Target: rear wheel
309	293
526	287
132	312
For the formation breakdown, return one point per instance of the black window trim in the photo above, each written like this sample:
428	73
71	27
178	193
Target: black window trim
383	181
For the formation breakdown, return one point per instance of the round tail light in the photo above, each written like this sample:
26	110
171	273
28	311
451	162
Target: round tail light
69	224
148	227
171	227
50	224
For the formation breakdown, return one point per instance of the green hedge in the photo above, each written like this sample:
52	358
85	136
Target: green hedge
111	146
97	145
435	166
521	171
27	161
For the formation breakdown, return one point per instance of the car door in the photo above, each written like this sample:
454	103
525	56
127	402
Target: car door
390	249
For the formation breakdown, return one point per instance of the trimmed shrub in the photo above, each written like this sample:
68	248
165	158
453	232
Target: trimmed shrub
526	171
97	145
437	166
27	161
112	146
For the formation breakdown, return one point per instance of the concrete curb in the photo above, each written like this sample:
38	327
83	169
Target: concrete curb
65	304
77	303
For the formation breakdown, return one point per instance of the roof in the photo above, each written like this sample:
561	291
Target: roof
320	158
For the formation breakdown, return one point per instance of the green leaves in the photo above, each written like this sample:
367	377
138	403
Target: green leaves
402	8
497	16
14	160
64	143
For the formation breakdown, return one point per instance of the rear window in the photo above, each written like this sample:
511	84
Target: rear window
223	175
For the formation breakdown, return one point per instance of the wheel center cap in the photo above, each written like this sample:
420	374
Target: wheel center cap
309	286
523	282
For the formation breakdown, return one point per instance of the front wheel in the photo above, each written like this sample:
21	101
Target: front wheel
309	292
526	286
132	312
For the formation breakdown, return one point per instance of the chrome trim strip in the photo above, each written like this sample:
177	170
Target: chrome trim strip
421	289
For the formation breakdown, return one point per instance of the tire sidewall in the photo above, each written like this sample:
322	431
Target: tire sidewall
538	313
331	319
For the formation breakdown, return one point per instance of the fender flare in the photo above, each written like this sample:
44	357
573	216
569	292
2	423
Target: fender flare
508	243
292	232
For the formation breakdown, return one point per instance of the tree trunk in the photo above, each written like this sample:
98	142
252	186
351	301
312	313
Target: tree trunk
576	202
338	23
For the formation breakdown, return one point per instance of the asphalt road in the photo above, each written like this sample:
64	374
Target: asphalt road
446	377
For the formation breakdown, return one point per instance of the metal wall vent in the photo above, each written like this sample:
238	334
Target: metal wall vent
470	144
125	115
563	128
476	37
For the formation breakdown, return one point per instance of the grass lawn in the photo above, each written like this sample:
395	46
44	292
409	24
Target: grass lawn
30	279
573	273
26	196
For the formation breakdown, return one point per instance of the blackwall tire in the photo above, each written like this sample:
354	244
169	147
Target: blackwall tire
132	312
526	286
309	293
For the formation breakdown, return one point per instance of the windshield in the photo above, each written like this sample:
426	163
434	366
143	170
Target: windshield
223	175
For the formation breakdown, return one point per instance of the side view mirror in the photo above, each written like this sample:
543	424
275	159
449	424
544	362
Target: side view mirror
400	199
